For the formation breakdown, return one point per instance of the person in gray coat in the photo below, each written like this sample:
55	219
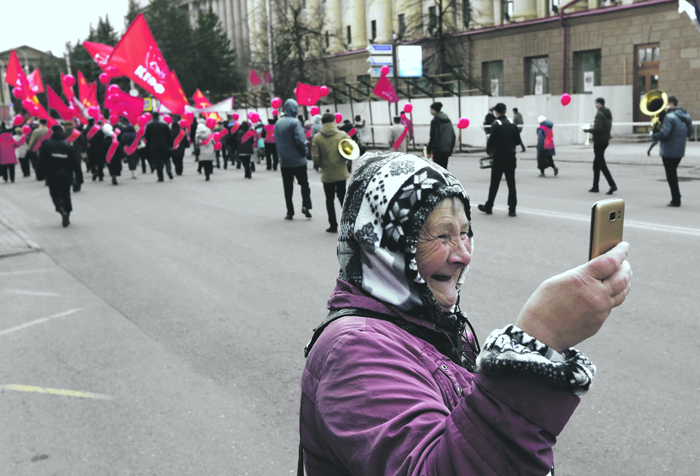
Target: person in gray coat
291	147
675	130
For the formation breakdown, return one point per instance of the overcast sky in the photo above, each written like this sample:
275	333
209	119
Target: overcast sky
49	24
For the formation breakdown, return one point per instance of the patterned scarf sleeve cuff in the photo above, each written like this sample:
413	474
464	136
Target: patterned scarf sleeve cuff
510	351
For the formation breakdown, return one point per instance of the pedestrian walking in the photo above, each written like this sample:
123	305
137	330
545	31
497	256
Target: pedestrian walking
405	121
79	143
206	150
545	146
488	120
245	144
115	162
159	141
602	124
396	132
126	139
676	128
35	139
518	121
334	171
271	158
291	147
503	140
180	143
442	136
58	163
9	144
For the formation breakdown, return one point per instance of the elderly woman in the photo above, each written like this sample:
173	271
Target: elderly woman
395	382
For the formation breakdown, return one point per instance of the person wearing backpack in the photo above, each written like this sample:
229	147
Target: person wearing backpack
676	128
545	146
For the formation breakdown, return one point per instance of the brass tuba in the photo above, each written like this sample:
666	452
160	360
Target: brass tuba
349	149
653	104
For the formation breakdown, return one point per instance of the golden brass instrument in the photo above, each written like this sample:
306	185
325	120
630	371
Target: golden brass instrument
349	149
653	104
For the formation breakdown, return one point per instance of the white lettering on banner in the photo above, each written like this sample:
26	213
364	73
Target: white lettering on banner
143	73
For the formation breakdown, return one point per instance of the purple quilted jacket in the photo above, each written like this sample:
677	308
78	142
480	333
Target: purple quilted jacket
377	400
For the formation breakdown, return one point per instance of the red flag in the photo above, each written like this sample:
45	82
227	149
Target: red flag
307	95
14	74
56	104
36	85
201	101
254	78
85	90
138	57
268	77
174	97
385	90
125	105
401	138
100	53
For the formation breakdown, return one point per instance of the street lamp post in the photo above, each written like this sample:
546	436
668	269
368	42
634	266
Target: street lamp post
395	37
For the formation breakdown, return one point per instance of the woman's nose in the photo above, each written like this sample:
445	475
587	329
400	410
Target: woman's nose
461	253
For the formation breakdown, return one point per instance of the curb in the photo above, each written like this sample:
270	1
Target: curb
16	241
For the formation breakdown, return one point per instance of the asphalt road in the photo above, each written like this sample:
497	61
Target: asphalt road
179	311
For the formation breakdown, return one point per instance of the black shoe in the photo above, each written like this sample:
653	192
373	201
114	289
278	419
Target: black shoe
306	212
66	218
170	175
673	204
289	217
511	213
160	179
94	177
594	190
523	149
101	179
333	229
556	171
612	190
483	208
114	181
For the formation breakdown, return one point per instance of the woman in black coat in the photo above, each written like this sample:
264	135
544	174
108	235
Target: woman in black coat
178	153
245	148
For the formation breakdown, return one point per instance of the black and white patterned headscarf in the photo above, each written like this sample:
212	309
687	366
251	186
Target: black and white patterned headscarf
389	197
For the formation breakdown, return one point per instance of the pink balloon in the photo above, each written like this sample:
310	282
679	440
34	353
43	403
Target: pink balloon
113	119
314	110
27	104
295	91
104	78
211	123
276	102
113	99
17	120
142	121
112	88
463	123
254	117
323	90
217	136
565	99
69	79
18	92
189	116
148	117
408	107
168	119
338	117
26	129
275	112
183	123
385	70
235	116
94	111
217	145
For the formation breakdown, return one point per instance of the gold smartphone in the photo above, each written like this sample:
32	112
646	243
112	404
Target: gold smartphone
607	219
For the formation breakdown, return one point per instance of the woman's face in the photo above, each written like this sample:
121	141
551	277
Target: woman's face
444	250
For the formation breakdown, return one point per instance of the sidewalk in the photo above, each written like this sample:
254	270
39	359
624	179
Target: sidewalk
14	242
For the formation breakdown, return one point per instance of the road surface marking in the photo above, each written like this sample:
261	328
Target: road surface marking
37	321
55	391
680	230
8	273
30	293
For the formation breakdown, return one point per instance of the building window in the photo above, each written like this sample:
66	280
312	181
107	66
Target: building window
402	24
587	71
648	54
492	74
537	72
349	34
432	20
374	30
507	10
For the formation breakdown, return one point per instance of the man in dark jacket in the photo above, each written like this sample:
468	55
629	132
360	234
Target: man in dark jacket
291	147
442	136
675	129
159	141
503	140
58	162
601	138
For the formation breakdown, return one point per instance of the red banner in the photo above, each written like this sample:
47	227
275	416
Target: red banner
123	104
385	90
235	127
112	148
249	133
307	95
57	105
87	91
73	136
101	53
201	101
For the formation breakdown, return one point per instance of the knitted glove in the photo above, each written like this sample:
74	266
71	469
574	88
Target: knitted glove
511	351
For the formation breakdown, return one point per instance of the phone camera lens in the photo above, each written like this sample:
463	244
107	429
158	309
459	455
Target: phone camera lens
612	216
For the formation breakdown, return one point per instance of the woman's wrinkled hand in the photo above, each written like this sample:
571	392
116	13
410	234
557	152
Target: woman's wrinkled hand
571	307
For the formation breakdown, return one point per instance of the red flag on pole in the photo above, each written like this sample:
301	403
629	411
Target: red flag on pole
385	90
14	74
123	104
56	104
36	85
101	53
254	78
307	95
83	90
268	77
174	97
201	101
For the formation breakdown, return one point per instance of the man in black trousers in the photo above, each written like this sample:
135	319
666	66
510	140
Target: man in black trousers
159	141
57	160
503	140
